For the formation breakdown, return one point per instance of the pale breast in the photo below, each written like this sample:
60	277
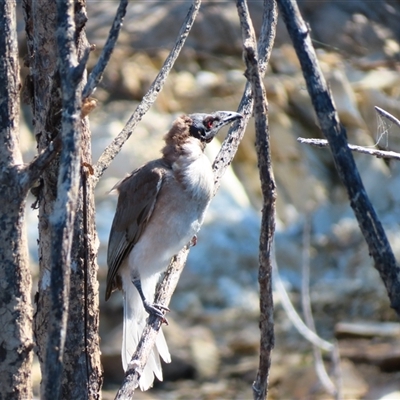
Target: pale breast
193	171
177	217
178	213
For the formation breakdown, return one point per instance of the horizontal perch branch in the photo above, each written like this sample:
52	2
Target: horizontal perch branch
359	149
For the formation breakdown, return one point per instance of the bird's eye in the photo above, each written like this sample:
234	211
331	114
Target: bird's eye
208	123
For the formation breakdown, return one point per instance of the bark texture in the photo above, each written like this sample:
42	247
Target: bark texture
328	119
15	280
82	376
254	75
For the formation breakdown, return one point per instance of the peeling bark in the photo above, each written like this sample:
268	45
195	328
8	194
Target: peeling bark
82	375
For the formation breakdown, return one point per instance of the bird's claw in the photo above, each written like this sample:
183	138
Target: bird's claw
156	310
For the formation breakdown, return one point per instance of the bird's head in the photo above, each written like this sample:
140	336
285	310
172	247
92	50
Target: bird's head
205	126
195	129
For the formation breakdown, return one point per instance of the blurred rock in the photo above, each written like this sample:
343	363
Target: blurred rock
354	386
382	353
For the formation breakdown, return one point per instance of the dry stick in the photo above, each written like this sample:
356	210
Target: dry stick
150	332
231	143
371	227
294	317
115	146
62	219
33	171
320	369
97	72
359	149
260	386
171	277
387	115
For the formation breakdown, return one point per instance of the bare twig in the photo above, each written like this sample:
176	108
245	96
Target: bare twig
387	115
171	277
359	149
222	161
370	225
236	132
32	171
308	316
139	359
253	75
97	72
337	370
62	219
115	146
309	332
294	317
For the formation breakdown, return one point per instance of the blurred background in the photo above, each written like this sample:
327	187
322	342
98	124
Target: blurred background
213	326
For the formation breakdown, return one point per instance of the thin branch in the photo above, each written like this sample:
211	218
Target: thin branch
387	115
97	73
370	225
268	187
337	370
294	317
115	146
62	218
32	172
171	277
236	132
359	149
320	369
139	359
222	161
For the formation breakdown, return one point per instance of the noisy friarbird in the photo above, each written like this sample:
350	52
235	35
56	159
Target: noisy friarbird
161	207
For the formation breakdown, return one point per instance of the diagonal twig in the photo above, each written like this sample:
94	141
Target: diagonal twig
115	146
294	317
97	73
32	172
149	335
236	132
387	115
171	277
368	221
330	387
221	163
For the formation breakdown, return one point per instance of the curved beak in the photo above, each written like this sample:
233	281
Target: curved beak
222	118
226	117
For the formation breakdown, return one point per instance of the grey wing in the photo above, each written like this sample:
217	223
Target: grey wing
137	198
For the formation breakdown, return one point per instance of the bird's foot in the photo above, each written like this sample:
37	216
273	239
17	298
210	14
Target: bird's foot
156	310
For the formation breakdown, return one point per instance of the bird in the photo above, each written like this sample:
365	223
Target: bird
160	209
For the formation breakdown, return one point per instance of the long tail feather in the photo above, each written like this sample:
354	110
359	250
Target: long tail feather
134	322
